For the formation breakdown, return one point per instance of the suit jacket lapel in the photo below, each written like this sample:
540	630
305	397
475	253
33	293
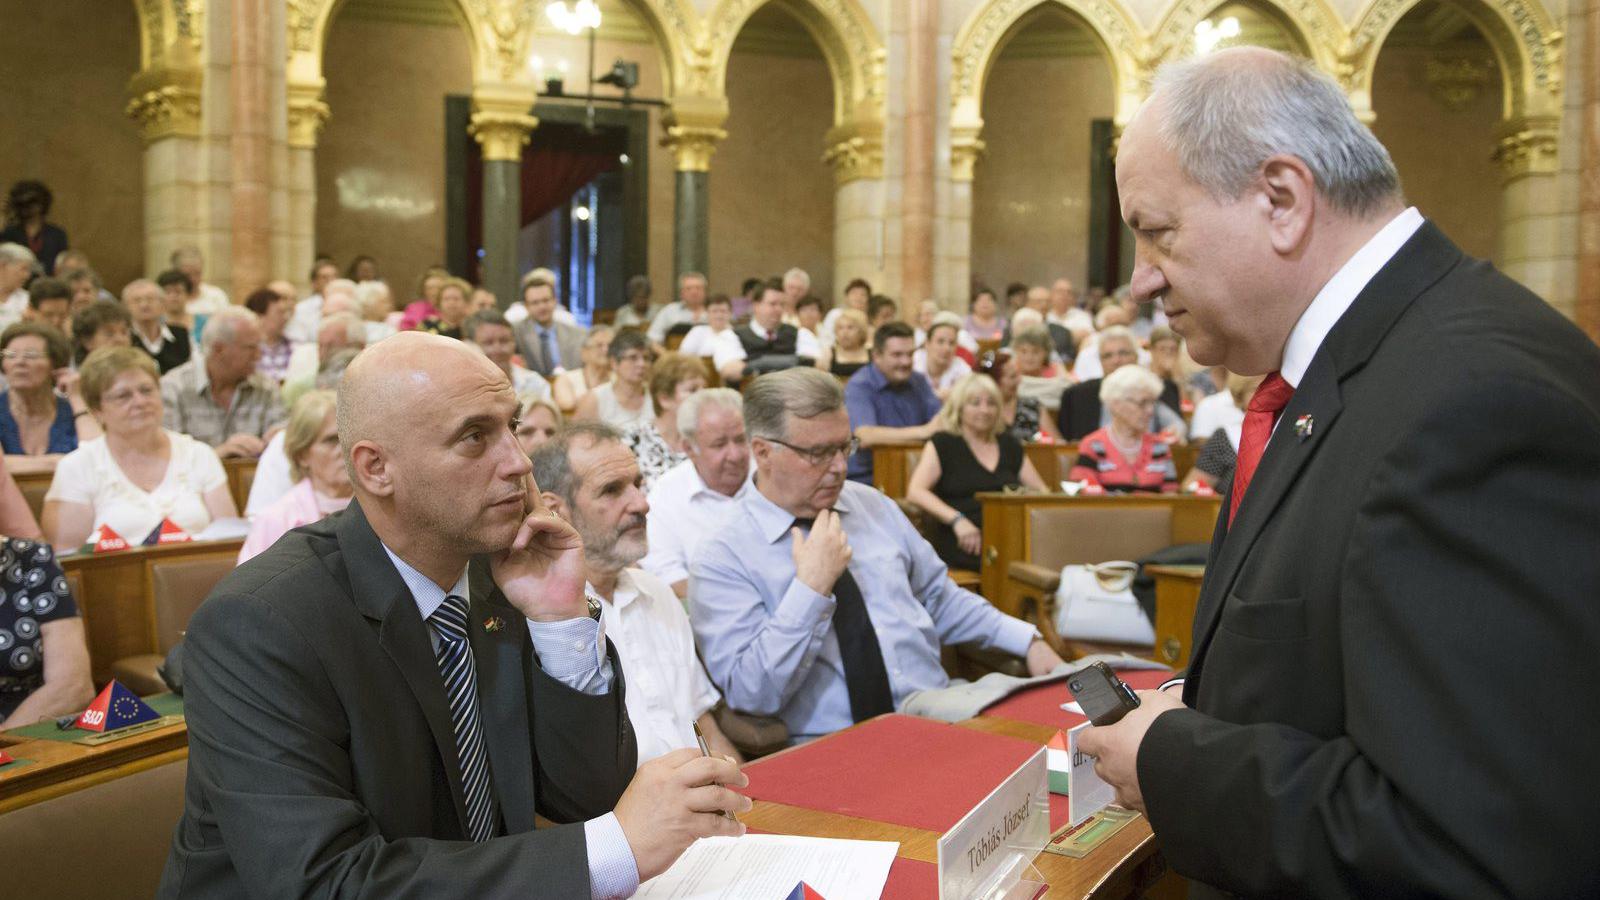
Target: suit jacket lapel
501	657
1423	260
381	595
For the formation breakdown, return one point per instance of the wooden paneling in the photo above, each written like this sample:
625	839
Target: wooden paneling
34	481
117	600
60	767
1177	595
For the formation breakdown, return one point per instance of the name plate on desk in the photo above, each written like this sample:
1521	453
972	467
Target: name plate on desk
987	853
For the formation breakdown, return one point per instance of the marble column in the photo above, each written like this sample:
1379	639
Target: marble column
502	125
863	241
166	105
1531	245
250	147
1588	290
307	113
918	196
693	128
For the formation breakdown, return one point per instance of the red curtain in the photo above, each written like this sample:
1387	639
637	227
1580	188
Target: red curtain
559	160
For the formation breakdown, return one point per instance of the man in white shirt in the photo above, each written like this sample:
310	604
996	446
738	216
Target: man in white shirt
688	309
205	299
1064	309
691	499
589	478
17	265
302	328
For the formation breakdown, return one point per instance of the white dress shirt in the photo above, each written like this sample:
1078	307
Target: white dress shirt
302	327
667	687
1213	412
683	512
729	349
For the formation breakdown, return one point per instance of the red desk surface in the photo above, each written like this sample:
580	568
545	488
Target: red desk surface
1042	705
898	769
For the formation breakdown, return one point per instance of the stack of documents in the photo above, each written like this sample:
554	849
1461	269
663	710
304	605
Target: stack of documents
768	866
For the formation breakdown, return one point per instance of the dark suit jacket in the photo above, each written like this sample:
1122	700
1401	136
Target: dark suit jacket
569	346
1080	410
1392	683
322	759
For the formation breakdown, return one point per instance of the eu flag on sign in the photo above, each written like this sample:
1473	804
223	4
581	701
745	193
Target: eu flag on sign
116	707
803	891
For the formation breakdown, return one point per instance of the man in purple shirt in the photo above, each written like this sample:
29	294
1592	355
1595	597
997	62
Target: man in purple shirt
888	401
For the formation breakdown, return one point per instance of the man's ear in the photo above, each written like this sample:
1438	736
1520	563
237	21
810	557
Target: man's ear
1289	194
557	505
372	469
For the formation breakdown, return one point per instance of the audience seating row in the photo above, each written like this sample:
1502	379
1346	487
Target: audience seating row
892	464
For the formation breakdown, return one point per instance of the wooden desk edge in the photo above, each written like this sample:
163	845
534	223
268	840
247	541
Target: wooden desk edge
65	778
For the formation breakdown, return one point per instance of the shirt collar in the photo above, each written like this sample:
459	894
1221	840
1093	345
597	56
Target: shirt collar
700	486
428	596
1341	291
625	592
774	521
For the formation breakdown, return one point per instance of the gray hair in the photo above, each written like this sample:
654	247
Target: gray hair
223	327
799	273
139	284
803	393
1225	113
1129	381
11	253
355	330
689	410
1117	333
367	294
332	370
552	467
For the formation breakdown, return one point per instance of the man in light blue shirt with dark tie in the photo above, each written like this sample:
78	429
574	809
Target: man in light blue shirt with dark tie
817	601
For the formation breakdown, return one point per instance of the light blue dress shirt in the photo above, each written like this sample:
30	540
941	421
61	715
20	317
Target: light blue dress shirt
768	640
572	652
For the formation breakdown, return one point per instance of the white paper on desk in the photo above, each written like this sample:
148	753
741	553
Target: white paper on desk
224	530
768	866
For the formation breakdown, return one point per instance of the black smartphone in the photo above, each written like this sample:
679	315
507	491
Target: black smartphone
1104	697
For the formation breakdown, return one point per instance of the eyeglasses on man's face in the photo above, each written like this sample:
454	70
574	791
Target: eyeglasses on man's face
820	455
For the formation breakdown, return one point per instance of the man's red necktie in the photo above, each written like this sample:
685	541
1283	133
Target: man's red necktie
1269	400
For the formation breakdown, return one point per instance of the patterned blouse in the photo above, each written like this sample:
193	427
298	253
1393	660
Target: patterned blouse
1101	462
1025	424
651	449
33	592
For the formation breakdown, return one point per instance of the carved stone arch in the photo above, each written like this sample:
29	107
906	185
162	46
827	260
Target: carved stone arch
1313	24
981	37
171	33
1523	35
308	21
850	43
164	95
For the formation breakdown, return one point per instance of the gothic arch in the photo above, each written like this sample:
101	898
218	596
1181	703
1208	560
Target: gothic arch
1522	33
1311	23
850	43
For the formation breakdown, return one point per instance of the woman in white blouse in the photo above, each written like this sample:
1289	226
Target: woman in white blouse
138	474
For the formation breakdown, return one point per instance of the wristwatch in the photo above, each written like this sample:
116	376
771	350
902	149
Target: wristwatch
594	604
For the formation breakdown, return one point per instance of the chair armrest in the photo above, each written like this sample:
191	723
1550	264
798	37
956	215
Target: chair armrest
1035	577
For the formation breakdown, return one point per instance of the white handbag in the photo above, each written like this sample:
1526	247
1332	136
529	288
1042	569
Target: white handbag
1095	602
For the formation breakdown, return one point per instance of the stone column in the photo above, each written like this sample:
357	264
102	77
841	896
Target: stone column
502	124
307	114
1588	89
918	195
862	241
966	148
250	147
1531	223
693	126
166	104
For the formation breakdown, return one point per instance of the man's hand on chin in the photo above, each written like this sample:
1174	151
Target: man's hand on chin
1116	747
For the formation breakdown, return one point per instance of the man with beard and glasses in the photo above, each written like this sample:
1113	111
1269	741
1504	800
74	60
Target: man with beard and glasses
591	480
816	600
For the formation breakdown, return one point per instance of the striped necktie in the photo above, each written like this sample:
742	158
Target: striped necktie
454	654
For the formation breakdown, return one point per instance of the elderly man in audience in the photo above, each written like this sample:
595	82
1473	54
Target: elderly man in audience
1081	409
342	330
35	419
272	311
692	499
796	284
302	328
17	265
624	401
889	402
688	310
139	474
1066	311
321	484
375	305
85	287
766	343
47	658
1126	455
103	323
591	480
50	303
636	311
817	601
167	344
490	332
595	354
204	299
547	346
219	398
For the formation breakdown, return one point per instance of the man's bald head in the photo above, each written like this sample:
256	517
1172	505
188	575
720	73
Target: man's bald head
387	388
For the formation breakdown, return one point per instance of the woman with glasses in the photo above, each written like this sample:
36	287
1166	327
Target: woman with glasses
971	452
624	401
570	386
34	419
1126	456
138	474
